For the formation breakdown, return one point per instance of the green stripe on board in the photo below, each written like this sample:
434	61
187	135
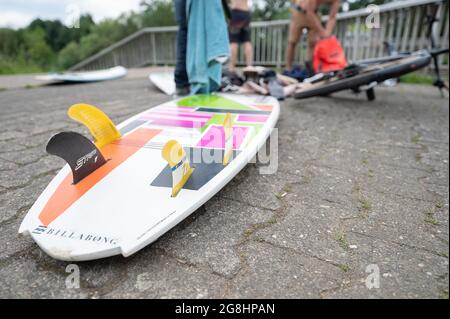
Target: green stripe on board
212	101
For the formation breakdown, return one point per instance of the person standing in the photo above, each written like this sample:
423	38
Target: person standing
305	14
181	77
239	29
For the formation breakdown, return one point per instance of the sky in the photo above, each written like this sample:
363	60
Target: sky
19	13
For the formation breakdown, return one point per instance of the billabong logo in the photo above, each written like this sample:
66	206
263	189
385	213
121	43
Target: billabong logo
60	233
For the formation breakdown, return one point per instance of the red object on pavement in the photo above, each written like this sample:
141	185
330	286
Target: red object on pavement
329	55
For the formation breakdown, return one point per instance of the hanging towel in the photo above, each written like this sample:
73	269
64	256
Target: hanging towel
208	45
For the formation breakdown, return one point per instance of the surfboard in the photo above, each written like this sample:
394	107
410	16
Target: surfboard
87	76
164	81
126	191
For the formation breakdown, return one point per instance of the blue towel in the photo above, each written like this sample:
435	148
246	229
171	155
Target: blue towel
208	45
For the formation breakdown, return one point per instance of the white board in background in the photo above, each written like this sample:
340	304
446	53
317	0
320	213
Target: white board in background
86	76
164	81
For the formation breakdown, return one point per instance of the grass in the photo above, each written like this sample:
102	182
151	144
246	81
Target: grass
344	268
420	78
365	204
14	67
432	221
443	254
2	89
342	241
429	218
444	295
414	78
282	194
439	205
416	139
248	232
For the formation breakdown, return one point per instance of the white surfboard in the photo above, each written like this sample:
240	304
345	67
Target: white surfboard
86	76
164	81
126	204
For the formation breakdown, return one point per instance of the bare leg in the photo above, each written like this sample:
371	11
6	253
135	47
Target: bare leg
234	55
290	55
248	50
312	41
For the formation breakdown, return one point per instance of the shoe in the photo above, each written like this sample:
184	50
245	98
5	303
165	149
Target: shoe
181	92
297	73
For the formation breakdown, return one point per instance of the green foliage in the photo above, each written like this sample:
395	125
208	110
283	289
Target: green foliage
46	45
417	78
272	10
16	66
157	13
69	56
358	4
37	50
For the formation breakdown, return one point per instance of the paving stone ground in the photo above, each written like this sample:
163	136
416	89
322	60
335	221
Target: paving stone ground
358	183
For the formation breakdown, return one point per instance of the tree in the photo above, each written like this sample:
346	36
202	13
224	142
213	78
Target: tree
157	13
271	10
9	42
358	4
38	51
69	56
85	28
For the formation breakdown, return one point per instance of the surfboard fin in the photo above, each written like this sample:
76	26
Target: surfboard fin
228	145
179	164
99	124
79	152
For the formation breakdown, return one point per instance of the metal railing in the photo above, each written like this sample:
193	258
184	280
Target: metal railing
401	23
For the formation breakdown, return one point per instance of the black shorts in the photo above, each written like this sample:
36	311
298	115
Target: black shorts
239	27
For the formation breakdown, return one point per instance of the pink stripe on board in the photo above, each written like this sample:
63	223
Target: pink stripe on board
178	123
171	107
177	114
215	137
171	117
252	118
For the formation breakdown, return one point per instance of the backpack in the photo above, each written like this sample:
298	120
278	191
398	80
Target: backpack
329	56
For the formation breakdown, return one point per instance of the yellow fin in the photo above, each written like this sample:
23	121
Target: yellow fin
228	143
99	124
179	164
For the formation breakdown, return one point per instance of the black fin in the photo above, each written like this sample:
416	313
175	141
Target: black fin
80	153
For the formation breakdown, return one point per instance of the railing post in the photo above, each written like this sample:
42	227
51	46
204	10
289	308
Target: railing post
356	38
155	61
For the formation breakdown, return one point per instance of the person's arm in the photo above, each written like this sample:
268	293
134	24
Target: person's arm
311	7
334	9
226	9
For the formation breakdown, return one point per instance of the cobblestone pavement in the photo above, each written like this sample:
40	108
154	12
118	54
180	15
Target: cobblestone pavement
358	183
